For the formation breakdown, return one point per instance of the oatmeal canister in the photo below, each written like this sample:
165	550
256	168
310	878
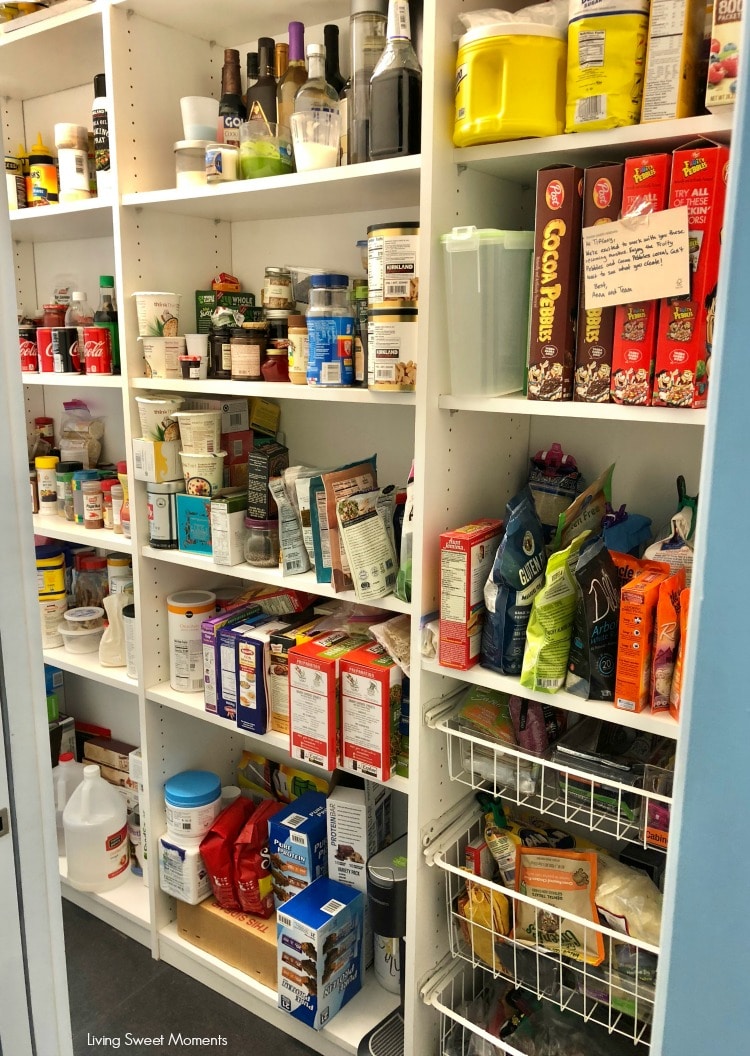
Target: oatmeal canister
392	347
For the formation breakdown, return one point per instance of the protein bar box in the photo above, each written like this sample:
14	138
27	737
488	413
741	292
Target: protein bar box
554	292
320	952
686	324
645	189
602	197
297	846
466	556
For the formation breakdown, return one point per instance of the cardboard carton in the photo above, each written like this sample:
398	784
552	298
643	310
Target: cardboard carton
370	712
246	942
466	556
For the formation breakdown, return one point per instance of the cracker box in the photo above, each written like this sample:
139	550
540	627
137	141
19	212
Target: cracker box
638	603
206	302
370	712
723	60
314	681
156	460
265	416
228	508
686	324
675	40
235	414
319	941
238	446
297	846
108	752
359	825
228	683
210	629
246	942
194	523
267	459
278	679
466	557
645	188
602	197
554	292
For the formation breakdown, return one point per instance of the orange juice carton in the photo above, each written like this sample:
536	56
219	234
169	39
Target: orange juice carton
723	59
314	697
645	189
638	601
675	39
466	556
370	712
686	324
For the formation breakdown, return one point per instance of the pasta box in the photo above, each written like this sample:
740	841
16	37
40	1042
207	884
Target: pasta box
319	948
370	712
246	942
466	556
227	701
297	845
210	629
194	523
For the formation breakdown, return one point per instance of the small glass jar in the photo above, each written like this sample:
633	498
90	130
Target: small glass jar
107	515
93	513
262	543
277	289
248	344
275	367
220	353
64	472
117	497
54	315
222	163
79	479
45	427
298	348
190	163
91	584
278	329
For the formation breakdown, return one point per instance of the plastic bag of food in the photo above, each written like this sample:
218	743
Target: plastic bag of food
81	433
217	850
403	579
666	640
551	13
592	664
395	637
550	627
606	63
350	617
587	511
517	574
252	866
626	532
363	521
297	483
675	691
675	550
488	914
293	551
554	482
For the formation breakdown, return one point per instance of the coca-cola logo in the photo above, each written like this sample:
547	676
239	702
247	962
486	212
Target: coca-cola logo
94	348
28	348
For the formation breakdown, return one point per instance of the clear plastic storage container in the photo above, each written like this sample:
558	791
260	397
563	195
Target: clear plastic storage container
488	284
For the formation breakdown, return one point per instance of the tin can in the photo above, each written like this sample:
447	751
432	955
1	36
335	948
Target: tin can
44	348
162	513
97	350
392	348
28	349
392	265
15	182
65	349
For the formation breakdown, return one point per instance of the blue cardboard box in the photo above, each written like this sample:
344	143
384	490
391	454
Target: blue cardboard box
297	845
194	523
319	950
228	684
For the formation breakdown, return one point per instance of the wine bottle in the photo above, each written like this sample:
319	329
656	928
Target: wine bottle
231	109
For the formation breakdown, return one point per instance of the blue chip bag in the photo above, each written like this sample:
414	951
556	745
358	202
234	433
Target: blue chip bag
517	574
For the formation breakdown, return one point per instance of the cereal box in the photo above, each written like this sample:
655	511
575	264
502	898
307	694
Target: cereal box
297	846
320	953
638	603
227	681
554	293
370	712
723	60
675	39
466	556
210	629
686	324
602	197
645	189
314	695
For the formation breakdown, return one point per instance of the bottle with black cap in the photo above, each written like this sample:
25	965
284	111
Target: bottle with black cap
261	98
100	121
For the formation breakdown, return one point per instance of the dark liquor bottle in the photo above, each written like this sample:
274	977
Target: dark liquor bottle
231	109
261	98
333	73
252	74
396	91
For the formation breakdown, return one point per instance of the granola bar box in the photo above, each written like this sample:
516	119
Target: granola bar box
602	197
319	951
686	325
645	189
297	846
554	292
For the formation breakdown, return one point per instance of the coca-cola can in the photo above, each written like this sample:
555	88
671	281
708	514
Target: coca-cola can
28	347
97	350
44	346
65	349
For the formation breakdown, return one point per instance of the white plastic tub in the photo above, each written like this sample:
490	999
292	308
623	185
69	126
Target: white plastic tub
81	640
488	285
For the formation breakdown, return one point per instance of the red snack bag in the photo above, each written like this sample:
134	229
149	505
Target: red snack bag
252	864
217	850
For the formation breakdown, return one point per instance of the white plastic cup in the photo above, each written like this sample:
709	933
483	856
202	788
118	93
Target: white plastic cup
162	355
158	313
200	431
197	345
315	135
204	473
157	416
200	115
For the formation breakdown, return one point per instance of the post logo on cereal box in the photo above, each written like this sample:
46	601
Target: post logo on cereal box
555	194
602	193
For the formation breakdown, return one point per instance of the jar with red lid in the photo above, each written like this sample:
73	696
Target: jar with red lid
54	315
276	365
91	584
46	428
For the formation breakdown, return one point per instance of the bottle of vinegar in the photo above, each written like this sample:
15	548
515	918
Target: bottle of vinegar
396	91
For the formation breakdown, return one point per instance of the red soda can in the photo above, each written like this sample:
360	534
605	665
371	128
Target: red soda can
28	348
97	354
44	345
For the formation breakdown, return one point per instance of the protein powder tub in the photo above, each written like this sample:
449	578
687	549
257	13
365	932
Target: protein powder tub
192	799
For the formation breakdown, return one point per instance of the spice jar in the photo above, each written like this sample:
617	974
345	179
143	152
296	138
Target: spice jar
45	427
298	346
248	345
122	476
107	515
220	353
262	543
64	474
93	514
277	289
117	497
79	479
46	475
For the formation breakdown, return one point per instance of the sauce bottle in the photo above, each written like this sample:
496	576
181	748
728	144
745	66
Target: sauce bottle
396	91
41	185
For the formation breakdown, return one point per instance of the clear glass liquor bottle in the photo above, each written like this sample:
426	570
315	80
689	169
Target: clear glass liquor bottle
295	76
316	93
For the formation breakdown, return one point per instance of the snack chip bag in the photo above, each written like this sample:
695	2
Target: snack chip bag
606	63
252	865
592	663
587	511
675	550
217	850
554	482
666	639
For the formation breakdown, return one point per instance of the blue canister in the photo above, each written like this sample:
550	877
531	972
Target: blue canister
192	799
330	329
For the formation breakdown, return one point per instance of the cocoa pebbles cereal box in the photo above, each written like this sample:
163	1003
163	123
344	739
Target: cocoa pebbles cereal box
645	189
602	196
554	295
686	324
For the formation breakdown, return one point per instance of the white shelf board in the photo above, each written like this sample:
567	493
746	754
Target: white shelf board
341	1035
235	21
59	528
611	412
69	221
519	160
193	704
373	185
50	55
275	391
664	725
125	908
73	381
271	576
87	665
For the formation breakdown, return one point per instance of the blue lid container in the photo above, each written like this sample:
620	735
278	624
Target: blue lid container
327	282
192	788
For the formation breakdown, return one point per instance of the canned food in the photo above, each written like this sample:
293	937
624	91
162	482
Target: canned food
162	513
392	265
44	349
97	350
65	354
392	349
28	348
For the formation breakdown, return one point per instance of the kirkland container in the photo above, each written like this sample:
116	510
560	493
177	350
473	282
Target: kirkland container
488	280
497	96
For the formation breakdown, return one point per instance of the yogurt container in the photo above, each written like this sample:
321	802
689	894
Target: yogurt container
200	431
192	801
204	473
158	313
157	416
162	355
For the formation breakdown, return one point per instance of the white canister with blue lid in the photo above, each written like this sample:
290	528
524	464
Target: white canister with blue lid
192	799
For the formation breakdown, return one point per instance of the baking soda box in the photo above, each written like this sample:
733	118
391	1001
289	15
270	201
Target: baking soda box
466	557
686	324
645	189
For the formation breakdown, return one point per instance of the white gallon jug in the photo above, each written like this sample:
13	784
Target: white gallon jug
96	834
66	777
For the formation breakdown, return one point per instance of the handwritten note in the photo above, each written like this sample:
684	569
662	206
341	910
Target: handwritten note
637	259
